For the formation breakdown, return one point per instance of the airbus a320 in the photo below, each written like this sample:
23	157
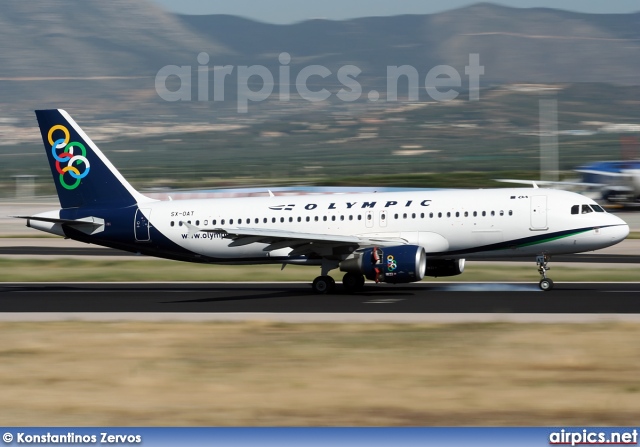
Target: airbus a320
396	237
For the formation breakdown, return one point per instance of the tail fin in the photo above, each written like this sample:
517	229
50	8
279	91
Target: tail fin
84	177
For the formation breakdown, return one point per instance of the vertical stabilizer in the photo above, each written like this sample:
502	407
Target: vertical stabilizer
84	177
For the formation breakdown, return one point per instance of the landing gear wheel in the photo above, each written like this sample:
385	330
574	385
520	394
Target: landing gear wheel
323	285
353	282
546	284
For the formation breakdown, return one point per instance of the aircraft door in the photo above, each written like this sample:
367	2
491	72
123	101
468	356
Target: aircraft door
539	213
141	225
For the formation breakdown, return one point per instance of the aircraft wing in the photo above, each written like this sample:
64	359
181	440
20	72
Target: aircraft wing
301	243
536	183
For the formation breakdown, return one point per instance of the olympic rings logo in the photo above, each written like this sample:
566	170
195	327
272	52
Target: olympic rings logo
391	263
73	161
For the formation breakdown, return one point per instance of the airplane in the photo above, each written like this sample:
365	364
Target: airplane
615	182
618	181
386	237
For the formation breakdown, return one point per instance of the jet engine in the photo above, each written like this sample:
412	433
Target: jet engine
401	264
444	267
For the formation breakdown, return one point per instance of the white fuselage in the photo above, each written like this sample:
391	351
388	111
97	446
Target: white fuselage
447	223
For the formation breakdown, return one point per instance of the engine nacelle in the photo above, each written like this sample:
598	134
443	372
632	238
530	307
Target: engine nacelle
402	264
444	267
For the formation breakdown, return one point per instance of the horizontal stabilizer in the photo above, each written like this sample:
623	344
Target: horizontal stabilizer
88	225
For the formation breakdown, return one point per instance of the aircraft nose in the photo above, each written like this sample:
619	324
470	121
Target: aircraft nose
620	231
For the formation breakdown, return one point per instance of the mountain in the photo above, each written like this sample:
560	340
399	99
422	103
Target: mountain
89	54
102	56
515	45
92	38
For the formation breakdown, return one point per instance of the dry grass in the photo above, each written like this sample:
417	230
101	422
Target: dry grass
224	374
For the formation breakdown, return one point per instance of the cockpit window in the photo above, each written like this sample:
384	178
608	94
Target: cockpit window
586	209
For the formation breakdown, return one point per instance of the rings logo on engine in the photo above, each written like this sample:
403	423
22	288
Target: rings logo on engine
76	166
391	263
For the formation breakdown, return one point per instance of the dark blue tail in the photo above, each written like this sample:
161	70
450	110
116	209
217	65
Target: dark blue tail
82	174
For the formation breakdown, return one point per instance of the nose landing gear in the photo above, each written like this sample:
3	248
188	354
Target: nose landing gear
545	283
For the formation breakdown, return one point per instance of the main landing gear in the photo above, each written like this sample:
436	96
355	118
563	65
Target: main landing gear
545	283
353	282
324	283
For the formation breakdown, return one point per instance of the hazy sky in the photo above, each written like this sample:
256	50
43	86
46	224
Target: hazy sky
289	11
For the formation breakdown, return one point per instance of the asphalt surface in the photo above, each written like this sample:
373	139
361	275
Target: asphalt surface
282	298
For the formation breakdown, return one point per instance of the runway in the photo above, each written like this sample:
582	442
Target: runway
270	299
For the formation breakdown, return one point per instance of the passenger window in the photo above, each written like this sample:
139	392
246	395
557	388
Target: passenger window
180	223
369	217
430	215
316	218
448	214
341	217
501	213
273	220
324	218
484	214
475	214
308	219
510	212
395	216
282	220
493	213
351	217
299	219
222	222
457	214
197	223
333	218
172	223
214	222
466	214
439	215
